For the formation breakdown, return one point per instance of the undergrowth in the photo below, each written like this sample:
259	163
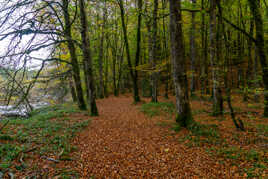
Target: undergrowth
200	135
262	130
155	109
257	159
47	133
208	136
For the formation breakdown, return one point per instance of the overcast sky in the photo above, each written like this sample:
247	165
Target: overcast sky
13	23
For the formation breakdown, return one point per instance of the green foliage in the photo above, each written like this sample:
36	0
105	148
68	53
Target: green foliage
200	134
252	155
204	130
9	151
229	152
156	109
6	137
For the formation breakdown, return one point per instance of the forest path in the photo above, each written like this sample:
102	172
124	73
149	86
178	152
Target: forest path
123	142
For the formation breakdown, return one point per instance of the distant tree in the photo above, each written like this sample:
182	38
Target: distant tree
193	50
155	56
132	68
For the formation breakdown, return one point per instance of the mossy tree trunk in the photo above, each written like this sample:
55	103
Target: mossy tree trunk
74	61
73	92
184	116
87	59
255	11
217	96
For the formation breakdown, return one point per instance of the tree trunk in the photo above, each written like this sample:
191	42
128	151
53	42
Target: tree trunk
193	51
74	61
204	65
106	72
133	73
217	99
87	59
255	10
72	88
101	51
184	116
255	74
166	54
154	59
249	73
237	122
138	49
101	66
250	58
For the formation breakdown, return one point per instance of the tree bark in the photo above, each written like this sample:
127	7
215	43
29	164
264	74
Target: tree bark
138	49
255	10
217	99
184	116
193	51
154	59
249	72
166	54
237	122
204	65
74	61
87	59
133	72
255	74
72	88
101	51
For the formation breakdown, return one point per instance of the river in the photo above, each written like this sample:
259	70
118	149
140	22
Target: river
11	111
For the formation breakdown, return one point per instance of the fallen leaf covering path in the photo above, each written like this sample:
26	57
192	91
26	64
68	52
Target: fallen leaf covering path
123	143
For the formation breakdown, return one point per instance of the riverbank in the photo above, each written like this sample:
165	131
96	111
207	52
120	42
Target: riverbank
44	136
11	112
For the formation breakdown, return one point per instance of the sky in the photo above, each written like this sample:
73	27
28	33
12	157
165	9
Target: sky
13	23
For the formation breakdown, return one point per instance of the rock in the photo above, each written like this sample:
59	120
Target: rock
14	115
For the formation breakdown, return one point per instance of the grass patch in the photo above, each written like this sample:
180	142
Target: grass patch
204	130
157	109
200	134
66	173
198	111
8	153
262	130
257	160
255	106
229	152
48	129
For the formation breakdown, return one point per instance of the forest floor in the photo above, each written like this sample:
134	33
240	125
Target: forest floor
143	141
